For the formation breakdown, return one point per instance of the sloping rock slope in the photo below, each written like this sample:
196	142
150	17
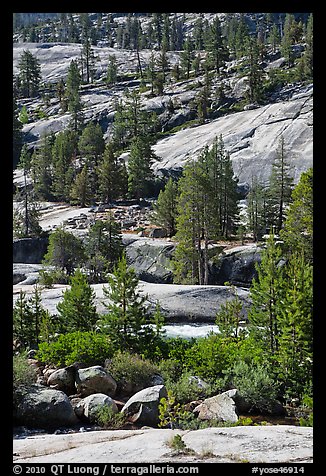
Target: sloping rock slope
253	444
251	137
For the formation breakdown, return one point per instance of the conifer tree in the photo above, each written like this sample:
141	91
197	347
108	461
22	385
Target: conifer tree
295	353
128	315
65	251
280	188
298	227
74	103
29	74
111	176
266	298
140	174
77	309
257	209
16	132
112	71
165	209
80	193
42	168
63	153
103	247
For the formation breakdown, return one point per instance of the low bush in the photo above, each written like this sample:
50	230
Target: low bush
131	368
23	373
106	418
255	384
88	348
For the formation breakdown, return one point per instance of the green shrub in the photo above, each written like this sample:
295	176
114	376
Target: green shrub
88	348
23	373
106	418
131	368
255	384
186	389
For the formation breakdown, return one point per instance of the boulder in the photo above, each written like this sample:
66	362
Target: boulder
220	407
143	406
42	407
95	380
236	266
151	259
29	250
63	379
88	407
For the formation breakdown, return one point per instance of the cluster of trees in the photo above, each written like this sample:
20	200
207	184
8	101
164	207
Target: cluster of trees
129	323
274	348
202	207
76	165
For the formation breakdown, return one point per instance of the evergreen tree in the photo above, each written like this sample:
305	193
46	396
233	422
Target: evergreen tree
29	74
207	210
63	154
104	248
112	71
16	132
288	38
255	73
257	209
41	167
77	309
266	298
274	37
128	316
187	56
91	146
28	314
298	227
280	188
65	251
295	353
72	96
140	174
111	176
22	330
165	209
217	52
80	193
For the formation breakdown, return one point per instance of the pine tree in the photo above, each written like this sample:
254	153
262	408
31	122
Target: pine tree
112	71
28	314
72	96
217	52
140	174
77	309
29	74
80	193
16	132
63	154
187	56
128	316
165	207
295	353
298	227
257	209
111	178
255	73
266	297
280	188
104	247
207	210
41	167
65	251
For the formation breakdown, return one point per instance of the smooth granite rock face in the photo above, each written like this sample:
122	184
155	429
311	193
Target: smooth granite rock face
252	444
